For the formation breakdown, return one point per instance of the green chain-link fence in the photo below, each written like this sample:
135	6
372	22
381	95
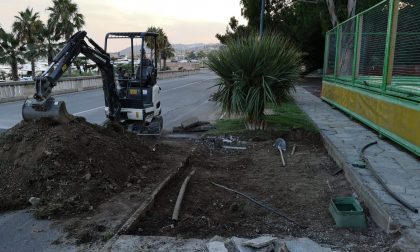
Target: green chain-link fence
379	50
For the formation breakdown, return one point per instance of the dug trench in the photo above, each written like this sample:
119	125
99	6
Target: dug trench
301	191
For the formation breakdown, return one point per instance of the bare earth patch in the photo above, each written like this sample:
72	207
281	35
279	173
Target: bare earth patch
300	191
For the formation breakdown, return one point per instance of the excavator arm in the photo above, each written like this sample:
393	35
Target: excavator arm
43	105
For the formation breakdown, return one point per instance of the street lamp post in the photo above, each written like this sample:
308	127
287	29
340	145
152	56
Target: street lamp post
262	18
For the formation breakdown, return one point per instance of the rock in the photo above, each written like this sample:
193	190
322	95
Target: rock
6	147
129	185
57	164
282	247
216	246
217	238
238	243
34	201
190	123
305	244
260	242
88	176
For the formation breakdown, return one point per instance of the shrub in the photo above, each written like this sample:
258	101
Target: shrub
253	73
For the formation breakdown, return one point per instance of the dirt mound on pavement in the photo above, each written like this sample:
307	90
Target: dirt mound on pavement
70	167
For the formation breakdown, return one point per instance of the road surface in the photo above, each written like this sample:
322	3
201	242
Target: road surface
181	98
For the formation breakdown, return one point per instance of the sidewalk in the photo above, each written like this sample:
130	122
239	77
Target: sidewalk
344	139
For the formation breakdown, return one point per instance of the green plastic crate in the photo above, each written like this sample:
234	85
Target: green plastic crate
347	212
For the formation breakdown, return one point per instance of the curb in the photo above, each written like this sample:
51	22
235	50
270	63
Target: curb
377	209
379	212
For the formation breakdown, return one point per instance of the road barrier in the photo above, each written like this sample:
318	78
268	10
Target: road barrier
20	90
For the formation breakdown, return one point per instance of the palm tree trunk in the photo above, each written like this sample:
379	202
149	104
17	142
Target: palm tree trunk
14	67
50	55
33	68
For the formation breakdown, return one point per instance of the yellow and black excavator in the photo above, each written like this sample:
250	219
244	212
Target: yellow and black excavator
132	99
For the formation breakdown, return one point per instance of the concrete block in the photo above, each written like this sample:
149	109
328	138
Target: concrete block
238	243
260	242
190	123
216	246
305	245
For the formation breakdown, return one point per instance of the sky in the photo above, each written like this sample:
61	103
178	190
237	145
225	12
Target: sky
184	21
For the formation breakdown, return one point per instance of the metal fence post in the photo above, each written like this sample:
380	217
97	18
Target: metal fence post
391	38
357	46
337	50
326	53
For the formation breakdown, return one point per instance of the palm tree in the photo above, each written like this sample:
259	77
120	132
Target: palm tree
150	43
27	27
65	19
161	41
253	73
50	40
11	52
167	52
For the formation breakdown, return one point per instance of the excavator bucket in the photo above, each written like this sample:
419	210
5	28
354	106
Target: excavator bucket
51	109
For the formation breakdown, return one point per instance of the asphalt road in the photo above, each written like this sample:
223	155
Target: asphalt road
181	98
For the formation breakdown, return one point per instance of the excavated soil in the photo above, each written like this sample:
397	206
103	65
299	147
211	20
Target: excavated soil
92	178
301	191
74	167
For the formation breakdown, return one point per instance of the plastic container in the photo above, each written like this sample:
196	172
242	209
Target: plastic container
347	212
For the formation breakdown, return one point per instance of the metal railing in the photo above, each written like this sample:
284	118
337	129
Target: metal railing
378	50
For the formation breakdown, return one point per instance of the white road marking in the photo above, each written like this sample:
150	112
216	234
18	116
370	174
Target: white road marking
85	111
186	85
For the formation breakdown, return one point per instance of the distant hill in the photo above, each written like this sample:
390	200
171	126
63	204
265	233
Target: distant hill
177	47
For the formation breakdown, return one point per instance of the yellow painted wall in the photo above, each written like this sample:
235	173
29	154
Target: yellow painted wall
396	117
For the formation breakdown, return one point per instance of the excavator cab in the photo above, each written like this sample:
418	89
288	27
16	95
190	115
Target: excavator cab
137	90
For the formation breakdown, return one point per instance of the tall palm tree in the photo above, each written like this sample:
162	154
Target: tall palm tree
11	51
65	19
27	26
50	41
150	43
167	52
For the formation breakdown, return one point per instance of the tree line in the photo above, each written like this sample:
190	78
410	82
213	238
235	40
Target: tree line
302	21
31	39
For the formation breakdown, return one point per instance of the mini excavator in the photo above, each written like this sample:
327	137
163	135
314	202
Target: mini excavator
131	99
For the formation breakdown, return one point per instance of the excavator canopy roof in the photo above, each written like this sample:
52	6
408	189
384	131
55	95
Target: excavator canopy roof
130	34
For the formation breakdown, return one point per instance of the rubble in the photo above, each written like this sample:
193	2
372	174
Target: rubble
260	242
216	246
304	245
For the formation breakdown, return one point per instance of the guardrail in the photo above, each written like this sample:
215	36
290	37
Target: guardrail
20	90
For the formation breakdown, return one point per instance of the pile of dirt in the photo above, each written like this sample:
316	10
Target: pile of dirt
71	167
